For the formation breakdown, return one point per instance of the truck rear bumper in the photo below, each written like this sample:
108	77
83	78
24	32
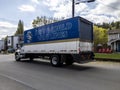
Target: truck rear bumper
83	57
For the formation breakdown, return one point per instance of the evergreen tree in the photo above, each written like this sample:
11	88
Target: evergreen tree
20	28
110	26
117	25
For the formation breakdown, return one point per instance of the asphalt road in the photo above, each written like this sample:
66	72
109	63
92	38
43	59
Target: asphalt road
40	75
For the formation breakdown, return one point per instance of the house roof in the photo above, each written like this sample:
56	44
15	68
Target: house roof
114	31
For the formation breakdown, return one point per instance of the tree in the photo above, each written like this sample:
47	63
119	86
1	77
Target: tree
20	28
117	25
113	24
43	20
100	36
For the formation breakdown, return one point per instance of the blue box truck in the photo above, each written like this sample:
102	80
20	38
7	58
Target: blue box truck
65	41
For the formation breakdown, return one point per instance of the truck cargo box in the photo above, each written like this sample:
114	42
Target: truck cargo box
61	37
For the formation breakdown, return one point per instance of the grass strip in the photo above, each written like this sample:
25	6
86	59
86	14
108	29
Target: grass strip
108	56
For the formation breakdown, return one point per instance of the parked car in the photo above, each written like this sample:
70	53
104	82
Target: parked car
11	50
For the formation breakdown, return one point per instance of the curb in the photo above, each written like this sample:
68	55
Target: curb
106	59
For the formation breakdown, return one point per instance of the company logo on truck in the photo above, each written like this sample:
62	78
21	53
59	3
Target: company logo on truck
29	36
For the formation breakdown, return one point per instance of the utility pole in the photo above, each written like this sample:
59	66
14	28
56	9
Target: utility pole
73	7
80	1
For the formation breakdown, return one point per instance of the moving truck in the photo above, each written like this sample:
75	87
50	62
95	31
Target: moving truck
14	42
65	41
2	45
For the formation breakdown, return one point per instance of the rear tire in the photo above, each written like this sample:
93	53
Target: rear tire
56	61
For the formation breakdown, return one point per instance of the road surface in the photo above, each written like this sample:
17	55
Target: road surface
40	75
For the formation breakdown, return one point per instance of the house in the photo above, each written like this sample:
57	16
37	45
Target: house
114	40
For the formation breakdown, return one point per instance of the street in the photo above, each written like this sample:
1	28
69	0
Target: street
40	75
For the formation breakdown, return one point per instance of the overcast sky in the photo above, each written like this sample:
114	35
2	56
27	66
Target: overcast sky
11	11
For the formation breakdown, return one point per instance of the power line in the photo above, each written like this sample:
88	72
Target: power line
108	5
10	20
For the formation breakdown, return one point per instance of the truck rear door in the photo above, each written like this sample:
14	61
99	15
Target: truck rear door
86	35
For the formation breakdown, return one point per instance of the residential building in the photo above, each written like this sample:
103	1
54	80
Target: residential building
114	40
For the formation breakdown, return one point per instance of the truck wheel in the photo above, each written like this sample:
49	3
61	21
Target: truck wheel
56	61
17	57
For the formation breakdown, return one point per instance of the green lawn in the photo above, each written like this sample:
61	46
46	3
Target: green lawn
108	56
